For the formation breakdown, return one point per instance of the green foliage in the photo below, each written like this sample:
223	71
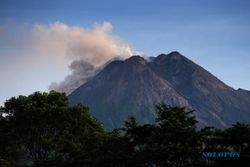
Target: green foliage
236	138
174	117
42	130
172	141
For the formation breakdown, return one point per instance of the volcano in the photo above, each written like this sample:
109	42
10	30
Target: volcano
133	87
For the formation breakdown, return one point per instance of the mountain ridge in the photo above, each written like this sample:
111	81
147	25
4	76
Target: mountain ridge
132	88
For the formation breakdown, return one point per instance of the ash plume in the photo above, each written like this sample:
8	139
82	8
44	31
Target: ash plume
58	50
81	72
89	51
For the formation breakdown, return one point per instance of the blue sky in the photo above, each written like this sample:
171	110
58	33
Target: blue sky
213	33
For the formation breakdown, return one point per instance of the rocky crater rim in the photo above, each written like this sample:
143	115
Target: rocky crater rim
138	58
161	58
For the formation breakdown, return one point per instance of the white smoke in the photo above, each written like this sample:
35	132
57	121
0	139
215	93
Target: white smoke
40	53
32	56
81	71
89	50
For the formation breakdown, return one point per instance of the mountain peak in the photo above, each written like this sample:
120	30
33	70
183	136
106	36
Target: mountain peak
136	59
172	56
133	86
174	53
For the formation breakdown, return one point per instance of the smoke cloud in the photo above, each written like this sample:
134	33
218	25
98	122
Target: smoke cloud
89	50
78	52
81	71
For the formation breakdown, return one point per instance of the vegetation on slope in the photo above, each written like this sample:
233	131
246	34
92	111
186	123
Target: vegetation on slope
43	130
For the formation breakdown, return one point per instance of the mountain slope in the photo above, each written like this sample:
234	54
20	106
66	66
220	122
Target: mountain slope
124	89
133	87
216	103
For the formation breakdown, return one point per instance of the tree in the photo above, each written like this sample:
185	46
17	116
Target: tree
233	139
176	138
171	141
44	130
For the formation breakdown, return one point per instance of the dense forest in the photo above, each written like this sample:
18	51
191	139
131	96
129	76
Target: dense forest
42	130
